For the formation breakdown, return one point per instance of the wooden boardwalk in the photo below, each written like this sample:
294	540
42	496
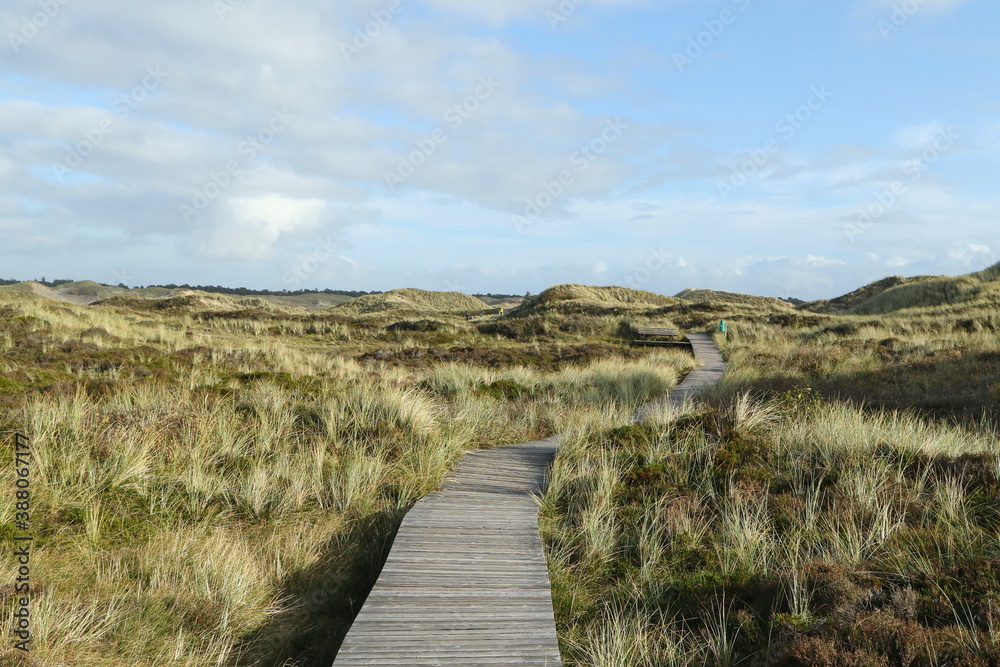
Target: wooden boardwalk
708	373
466	582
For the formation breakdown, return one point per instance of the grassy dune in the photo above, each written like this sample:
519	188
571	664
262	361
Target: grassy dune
412	301
971	293
217	480
716	297
570	298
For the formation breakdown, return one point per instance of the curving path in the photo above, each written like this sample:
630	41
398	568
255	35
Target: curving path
708	373
466	582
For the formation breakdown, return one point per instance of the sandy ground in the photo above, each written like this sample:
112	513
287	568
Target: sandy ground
49	293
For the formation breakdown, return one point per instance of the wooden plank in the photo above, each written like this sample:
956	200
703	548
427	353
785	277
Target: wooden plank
466	581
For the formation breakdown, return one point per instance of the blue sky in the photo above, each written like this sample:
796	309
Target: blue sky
779	147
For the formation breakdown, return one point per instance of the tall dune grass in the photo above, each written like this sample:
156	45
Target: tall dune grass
789	531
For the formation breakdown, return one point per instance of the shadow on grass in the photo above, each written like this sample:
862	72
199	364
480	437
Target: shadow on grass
323	600
956	388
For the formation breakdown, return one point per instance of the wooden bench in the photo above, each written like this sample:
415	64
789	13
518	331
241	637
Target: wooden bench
655	336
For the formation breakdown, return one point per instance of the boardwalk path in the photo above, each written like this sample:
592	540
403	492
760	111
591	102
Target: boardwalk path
466	581
710	372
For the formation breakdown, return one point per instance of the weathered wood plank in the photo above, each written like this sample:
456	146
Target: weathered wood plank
466	582
656	331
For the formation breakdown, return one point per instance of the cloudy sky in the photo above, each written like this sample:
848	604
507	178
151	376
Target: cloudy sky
780	147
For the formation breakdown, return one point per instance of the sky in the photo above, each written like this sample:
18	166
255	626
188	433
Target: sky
790	148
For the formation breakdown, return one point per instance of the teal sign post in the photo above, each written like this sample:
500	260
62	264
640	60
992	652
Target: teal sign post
722	327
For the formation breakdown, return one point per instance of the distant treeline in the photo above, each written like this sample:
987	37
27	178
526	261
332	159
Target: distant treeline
242	291
217	289
43	281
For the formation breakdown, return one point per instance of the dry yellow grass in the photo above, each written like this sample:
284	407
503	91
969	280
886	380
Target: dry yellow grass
931	293
411	301
791	531
714	296
575	298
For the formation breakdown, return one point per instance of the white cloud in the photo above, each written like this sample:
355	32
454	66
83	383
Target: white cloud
499	13
252	226
818	261
896	262
930	5
972	255
353	121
